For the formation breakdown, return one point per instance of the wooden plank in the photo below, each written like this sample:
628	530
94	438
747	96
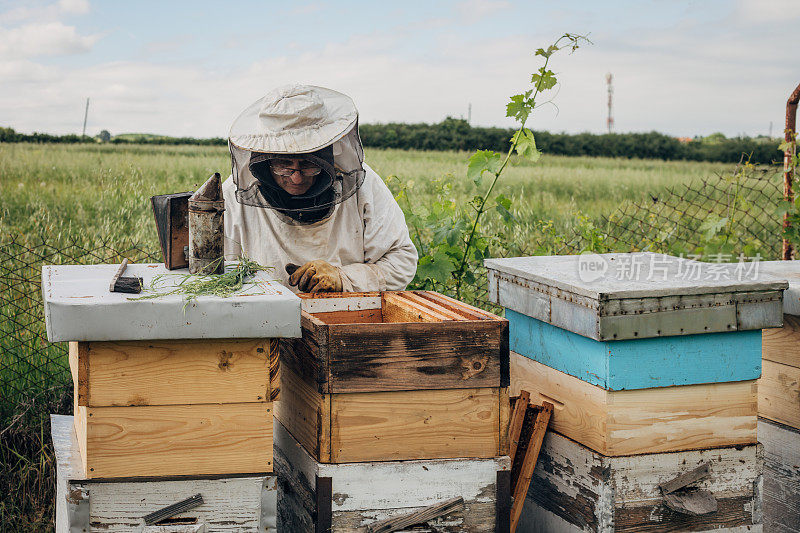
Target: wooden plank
432	307
532	448
426	424
358	316
396	311
782	345
505	419
324	500
466	310
79	367
515	426
685	479
502	520
305	413
639	363
396	298
322	302
79	422
274	370
420	516
176	372
779	394
415	356
179	440
645	420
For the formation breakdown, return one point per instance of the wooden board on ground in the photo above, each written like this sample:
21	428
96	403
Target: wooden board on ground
387	426
353	495
587	491
118	506
175	372
781	476
176	440
782	345
416	340
640	421
779	394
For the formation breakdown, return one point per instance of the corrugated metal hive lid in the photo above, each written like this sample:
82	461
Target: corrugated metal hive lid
637	295
789	271
632	275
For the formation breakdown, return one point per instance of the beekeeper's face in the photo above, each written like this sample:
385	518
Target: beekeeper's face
294	176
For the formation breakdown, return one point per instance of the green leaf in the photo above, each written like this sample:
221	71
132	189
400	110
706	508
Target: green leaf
502	207
480	162
712	226
526	144
544	79
520	106
547	53
439	267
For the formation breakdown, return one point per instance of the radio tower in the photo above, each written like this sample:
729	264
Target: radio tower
610	119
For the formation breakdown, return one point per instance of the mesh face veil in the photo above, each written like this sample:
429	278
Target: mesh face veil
313	124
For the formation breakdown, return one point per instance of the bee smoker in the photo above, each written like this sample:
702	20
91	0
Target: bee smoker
206	229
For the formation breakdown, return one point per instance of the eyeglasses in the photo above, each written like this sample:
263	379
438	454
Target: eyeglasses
283	168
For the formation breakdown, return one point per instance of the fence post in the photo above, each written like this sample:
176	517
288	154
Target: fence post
788	170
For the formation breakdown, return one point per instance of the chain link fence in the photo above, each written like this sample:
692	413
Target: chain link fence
735	213
34	374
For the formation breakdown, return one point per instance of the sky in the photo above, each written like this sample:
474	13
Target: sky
684	68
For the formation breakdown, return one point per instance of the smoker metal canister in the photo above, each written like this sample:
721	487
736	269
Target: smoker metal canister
206	228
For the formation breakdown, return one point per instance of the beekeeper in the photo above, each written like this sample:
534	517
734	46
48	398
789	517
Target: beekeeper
302	200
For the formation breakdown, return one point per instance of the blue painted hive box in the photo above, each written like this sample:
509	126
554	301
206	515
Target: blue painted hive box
637	320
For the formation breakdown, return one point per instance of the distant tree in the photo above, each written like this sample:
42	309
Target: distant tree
714	138
105	136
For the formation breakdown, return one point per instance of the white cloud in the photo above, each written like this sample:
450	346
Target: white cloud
47	39
475	10
45	13
767	11
75	7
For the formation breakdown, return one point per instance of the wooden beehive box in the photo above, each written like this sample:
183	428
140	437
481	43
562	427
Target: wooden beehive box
575	489
641	421
84	504
779	386
314	496
174	407
395	375
162	388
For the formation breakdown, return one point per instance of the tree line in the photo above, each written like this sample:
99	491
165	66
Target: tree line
457	134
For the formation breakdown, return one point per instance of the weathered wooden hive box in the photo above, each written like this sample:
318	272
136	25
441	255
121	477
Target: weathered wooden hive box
779	406
396	376
576	489
165	388
346	497
641	354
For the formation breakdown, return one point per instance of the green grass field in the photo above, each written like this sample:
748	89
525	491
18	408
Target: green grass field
65	199
103	191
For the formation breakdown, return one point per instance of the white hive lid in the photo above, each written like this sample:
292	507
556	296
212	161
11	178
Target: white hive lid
79	307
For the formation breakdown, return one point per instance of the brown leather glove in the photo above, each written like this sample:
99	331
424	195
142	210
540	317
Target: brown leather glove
315	276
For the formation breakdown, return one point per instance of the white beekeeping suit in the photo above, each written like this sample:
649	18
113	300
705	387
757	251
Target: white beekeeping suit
346	226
